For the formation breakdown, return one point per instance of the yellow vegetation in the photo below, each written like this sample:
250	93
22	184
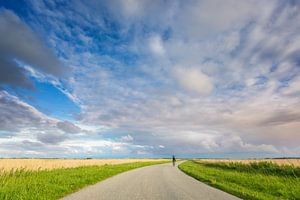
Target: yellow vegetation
7	164
295	162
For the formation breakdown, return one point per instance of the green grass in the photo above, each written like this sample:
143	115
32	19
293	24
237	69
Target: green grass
249	181
56	183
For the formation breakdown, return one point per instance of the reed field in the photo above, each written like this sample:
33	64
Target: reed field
285	161
7	164
59	177
248	180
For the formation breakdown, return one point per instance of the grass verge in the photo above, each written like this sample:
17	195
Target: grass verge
249	181
54	184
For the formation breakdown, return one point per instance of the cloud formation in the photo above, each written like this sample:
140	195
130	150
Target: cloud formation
194	80
214	78
68	127
18	116
156	46
18	43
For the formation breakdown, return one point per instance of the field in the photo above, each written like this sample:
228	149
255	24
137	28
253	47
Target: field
246	179
7	164
294	162
55	182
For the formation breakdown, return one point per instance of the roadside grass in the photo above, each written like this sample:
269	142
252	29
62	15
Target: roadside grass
264	180
22	184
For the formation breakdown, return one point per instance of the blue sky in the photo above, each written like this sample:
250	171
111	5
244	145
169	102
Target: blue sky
149	78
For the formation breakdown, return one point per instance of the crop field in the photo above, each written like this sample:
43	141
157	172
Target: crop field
55	180
294	162
7	164
248	180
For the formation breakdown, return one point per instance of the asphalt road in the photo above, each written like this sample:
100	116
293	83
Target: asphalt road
152	182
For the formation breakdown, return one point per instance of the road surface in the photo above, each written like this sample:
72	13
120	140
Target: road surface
154	182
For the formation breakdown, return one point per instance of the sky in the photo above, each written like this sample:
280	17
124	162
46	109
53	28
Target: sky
149	78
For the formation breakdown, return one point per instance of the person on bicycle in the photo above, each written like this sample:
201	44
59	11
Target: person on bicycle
174	160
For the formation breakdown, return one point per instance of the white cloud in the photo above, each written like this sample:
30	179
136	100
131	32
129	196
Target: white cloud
193	79
239	58
156	45
207	18
132	7
126	138
19	117
225	55
16	114
293	88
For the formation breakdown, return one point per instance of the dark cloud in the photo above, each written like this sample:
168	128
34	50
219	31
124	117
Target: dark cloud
19	42
282	117
29	145
16	114
12	74
51	138
21	146
68	127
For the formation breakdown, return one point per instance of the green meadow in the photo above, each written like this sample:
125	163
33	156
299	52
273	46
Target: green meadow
263	180
53	184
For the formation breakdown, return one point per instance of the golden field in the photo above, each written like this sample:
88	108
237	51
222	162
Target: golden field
295	162
7	164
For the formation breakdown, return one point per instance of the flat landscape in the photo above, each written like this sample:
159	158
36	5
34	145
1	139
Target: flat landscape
92	91
7	164
284	161
247	179
24	183
264	179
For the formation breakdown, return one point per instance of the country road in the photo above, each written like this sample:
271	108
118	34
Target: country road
154	182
